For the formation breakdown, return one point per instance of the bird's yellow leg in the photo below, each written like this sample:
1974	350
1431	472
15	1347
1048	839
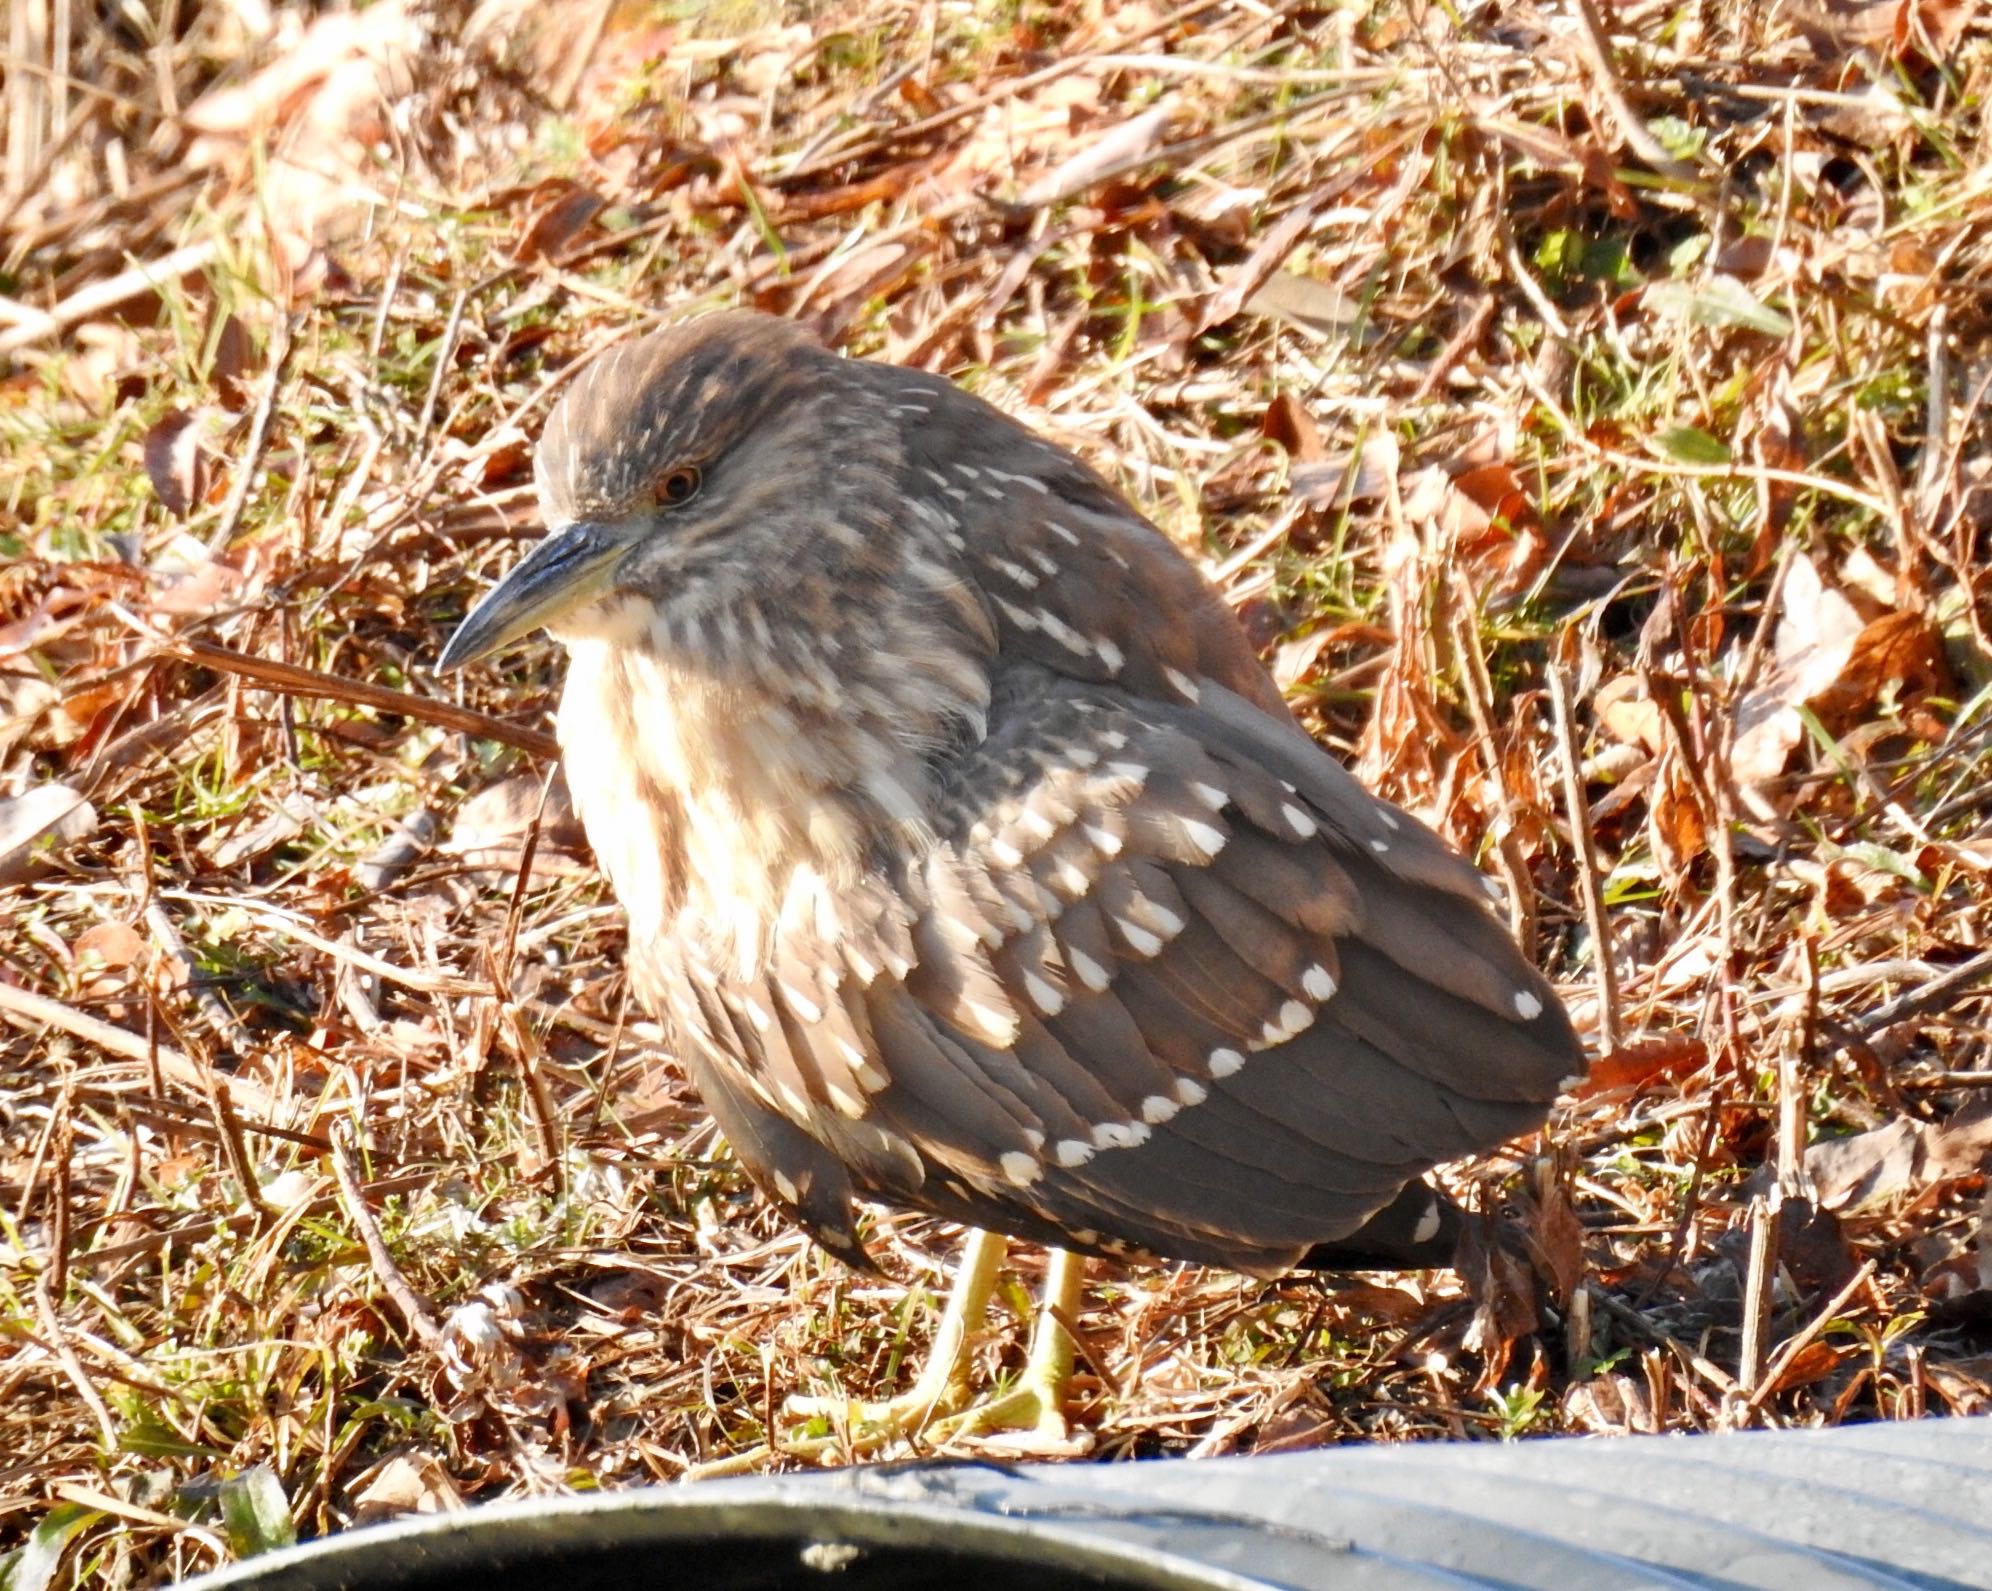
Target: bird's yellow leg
943	1385
1035	1406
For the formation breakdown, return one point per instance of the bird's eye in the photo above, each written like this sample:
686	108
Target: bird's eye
677	486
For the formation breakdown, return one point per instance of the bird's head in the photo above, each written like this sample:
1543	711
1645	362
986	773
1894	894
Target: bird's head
681	471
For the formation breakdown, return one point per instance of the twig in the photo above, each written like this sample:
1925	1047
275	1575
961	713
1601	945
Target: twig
1932	996
259	437
234	1149
287	924
295	680
166	937
1796	1345
1605	77
1765	1211
139	1514
72	1366
352	1197
35	1011
126	285
1477	687
200	1231
1609	1028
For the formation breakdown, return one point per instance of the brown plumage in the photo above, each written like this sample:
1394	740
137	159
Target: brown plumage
969	852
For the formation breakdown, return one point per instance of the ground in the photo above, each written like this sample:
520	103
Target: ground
1584	408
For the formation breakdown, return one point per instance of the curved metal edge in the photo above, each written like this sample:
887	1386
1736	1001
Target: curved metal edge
771	1511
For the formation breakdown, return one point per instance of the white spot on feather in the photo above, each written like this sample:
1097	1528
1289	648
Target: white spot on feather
1087	970
1063	633
845	1101
1380	846
1223	1063
1428	1224
1318	981
1139	939
1035	822
1044	995
1019	1168
1209	795
1069	876
997	1024
1105	841
1109	654
1206	837
1389	820
1299	821
784	1186
1071	1152
1527	1006
1190	1092
801	1004
1158	1108
1133	772
1120	1135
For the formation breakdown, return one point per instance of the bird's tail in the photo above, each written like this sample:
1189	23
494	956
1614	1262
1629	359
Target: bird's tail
1418	1230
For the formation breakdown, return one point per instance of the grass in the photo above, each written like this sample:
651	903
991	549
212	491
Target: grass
1576	419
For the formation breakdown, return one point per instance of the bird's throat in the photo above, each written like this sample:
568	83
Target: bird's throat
711	800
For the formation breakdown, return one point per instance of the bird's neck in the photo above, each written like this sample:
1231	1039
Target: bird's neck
713	787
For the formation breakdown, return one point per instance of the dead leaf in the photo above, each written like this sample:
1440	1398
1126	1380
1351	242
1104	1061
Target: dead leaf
1611	1404
490	828
1318	307
1624	711
314	115
1634	1065
1363	477
1115	149
1815	640
1898	651
1243	281
42	819
179	468
560	218
231	365
193	582
110	944
1902	1157
1287	422
413	1482
1505	1297
278	825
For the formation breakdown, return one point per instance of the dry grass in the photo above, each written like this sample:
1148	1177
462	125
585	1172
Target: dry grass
1478	357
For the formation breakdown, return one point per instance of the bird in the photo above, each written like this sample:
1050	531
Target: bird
973	861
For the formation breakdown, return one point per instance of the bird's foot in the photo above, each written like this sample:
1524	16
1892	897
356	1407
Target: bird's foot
873	1424
1027	1419
1030	1417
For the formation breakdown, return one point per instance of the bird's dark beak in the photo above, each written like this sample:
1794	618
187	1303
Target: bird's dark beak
570	568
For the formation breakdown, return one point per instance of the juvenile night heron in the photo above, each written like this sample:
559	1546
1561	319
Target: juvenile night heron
972	858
